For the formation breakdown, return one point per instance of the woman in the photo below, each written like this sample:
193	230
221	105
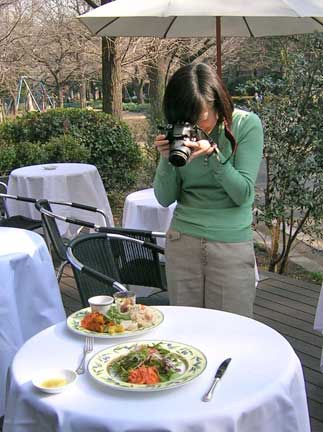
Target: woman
209	248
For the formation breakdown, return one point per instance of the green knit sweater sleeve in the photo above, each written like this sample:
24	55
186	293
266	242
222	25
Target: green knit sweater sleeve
239	180
166	183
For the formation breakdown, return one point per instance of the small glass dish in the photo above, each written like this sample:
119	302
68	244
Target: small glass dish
54	380
124	300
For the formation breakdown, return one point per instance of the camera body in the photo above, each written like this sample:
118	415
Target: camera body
176	134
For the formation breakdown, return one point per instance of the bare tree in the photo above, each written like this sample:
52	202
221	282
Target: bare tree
60	47
15	20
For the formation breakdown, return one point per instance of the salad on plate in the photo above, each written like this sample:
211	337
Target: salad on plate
147	365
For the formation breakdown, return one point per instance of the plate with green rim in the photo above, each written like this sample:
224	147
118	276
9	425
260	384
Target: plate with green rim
192	362
74	324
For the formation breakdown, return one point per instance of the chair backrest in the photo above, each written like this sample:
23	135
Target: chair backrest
3	190
51	228
137	265
94	252
18	221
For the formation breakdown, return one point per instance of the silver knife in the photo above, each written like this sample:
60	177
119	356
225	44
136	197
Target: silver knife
219	374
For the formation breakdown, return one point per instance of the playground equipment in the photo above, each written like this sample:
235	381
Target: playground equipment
37	97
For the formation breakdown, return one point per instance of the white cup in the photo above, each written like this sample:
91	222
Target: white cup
100	303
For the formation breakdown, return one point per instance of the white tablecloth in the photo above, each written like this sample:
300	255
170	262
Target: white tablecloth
30	300
262	390
72	182
318	322
142	211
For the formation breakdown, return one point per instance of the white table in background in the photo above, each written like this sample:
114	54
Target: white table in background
142	211
262	390
30	299
318	322
71	182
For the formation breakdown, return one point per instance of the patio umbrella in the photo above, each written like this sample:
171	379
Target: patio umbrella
205	18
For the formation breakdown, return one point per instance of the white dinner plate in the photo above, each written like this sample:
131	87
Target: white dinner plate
74	324
192	364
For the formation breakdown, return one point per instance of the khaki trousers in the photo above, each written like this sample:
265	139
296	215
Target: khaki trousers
210	274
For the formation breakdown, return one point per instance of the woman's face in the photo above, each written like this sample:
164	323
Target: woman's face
208	119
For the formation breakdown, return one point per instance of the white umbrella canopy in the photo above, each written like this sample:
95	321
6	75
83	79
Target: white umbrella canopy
196	18
201	18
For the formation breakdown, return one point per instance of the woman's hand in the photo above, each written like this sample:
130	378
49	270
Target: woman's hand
200	148
162	145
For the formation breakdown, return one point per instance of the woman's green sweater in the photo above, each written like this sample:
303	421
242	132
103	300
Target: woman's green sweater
215	201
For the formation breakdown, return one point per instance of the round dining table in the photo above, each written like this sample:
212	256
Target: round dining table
262	389
141	210
69	182
30	299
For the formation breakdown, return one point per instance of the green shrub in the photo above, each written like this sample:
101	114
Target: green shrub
7	159
66	148
15	155
134	107
317	277
107	141
29	153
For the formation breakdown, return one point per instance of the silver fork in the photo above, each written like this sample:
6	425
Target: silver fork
87	348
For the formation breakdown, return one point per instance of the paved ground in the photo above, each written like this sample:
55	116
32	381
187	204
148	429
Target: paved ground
302	254
307	253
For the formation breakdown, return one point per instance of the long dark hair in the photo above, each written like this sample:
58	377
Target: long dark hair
190	88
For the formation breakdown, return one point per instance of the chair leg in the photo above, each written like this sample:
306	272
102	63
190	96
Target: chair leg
60	271
47	240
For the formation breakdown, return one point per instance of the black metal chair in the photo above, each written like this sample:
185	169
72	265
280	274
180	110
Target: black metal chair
99	259
16	221
134	266
3	189
51	230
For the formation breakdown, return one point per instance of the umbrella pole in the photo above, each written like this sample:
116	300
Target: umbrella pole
218	46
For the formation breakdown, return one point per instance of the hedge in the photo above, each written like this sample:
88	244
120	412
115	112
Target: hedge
72	135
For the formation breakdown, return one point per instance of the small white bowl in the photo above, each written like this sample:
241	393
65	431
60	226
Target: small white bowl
54	380
100	303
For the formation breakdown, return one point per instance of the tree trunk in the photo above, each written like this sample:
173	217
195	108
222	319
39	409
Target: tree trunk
83	93
111	78
93	90
60	95
138	85
275	235
284	262
156	75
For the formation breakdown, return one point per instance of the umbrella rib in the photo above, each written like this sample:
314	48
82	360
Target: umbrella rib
169	27
106	25
248	27
317	20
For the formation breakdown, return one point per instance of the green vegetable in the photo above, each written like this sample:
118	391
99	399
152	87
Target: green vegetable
115	316
166	362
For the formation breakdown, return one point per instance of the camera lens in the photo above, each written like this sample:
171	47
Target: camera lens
179	155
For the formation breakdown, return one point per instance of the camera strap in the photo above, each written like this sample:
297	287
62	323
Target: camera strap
230	137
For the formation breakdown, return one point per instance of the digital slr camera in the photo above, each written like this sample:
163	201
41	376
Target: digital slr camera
176	134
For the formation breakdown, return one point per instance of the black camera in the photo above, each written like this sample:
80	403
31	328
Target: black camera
176	134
